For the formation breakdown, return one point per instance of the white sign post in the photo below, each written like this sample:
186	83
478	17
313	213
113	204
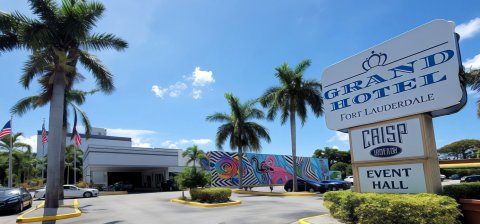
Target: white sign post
386	97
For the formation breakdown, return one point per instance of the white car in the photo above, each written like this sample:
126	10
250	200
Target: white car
349	179
70	191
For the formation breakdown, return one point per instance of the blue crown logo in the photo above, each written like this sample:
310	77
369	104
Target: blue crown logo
374	60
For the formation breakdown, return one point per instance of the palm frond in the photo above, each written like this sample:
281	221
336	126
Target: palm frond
219	117
26	104
102	76
103	41
45	9
85	120
223	132
302	66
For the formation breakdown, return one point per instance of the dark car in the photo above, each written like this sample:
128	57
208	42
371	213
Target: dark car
121	186
169	185
304	186
472	178
333	185
14	199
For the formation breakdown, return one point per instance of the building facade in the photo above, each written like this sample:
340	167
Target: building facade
110	159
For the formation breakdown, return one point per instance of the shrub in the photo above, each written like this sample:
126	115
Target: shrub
463	190
211	195
460	171
82	184
192	178
370	208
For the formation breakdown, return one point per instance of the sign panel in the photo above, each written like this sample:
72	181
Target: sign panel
387	141
403	178
406	75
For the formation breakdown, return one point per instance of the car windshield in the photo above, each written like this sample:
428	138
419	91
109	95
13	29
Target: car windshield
8	192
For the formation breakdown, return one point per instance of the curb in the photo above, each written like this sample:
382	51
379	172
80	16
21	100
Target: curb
275	194
106	193
22	219
204	204
304	220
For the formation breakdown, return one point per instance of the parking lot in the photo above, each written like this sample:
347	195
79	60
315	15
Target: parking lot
156	208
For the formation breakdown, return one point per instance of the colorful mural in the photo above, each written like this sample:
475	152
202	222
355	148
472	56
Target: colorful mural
262	169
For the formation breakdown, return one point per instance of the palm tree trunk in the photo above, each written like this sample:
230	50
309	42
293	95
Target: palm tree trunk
55	127
240	167
62	161
293	130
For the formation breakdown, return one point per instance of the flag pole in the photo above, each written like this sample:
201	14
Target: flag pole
74	165
10	178
43	152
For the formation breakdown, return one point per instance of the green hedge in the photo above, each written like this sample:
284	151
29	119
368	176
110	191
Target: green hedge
463	190
211	195
371	208
460	171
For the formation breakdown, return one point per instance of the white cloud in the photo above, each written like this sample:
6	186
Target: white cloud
339	136
158	91
196	93
185	143
32	141
472	63
173	90
138	136
468	30
201	78
335	147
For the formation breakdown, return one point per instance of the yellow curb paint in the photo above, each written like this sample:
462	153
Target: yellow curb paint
205	205
106	193
275	194
304	220
22	219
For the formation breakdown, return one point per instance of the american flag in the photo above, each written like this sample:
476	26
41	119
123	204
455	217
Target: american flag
7	129
44	134
78	139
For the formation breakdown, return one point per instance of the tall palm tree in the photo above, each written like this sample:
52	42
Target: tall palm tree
194	154
62	36
73	98
291	98
244	134
473	80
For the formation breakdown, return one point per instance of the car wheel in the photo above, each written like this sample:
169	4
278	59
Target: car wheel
334	188
311	190
20	206
289	189
87	194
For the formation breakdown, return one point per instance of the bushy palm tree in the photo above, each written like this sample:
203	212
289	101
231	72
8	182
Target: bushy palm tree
71	152
244	134
473	80
12	142
194	154
60	36
291	98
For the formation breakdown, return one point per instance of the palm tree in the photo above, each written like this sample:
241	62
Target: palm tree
60	36
473	80
12	142
194	154
244	134
73	98
71	152
291	98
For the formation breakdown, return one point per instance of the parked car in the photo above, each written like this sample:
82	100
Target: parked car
321	186
303	186
121	186
442	177
333	185
455	177
169	185
349	179
70	191
16	199
472	178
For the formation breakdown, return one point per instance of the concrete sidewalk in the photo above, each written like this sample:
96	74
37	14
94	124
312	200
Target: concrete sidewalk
67	209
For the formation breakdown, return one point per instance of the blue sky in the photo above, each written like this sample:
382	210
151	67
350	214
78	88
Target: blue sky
184	55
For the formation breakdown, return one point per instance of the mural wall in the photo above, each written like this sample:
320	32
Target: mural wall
262	169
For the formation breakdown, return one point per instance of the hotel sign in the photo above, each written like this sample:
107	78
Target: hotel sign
393	140
413	73
403	178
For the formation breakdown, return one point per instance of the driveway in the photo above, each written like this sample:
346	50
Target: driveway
156	208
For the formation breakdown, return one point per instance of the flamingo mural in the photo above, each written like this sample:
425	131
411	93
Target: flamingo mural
262	169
